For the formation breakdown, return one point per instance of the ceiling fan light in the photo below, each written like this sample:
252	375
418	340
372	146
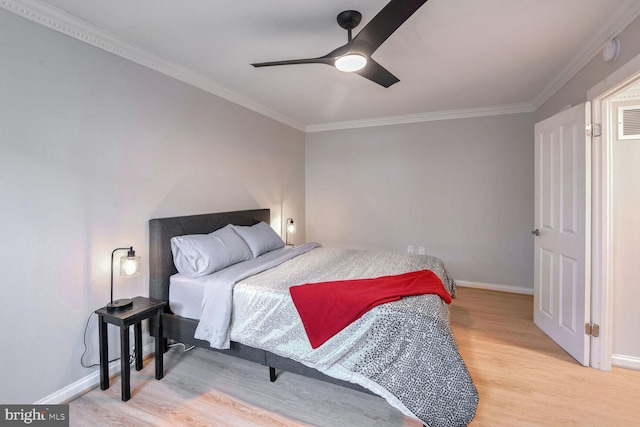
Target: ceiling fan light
351	62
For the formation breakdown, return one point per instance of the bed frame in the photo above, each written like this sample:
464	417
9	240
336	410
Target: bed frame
180	329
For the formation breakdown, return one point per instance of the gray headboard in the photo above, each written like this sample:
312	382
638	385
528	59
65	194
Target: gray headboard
161	230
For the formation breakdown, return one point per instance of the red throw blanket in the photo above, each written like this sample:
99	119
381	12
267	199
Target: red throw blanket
327	308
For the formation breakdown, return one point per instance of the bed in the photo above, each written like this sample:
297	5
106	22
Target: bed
438	390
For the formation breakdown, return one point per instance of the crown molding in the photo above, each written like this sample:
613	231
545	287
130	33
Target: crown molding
611	29
72	26
496	110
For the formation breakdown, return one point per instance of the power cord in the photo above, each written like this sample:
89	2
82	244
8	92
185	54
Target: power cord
86	327
184	346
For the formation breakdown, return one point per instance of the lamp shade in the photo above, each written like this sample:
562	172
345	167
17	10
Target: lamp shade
129	266
290	228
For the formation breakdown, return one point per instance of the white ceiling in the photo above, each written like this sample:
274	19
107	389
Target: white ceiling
452	56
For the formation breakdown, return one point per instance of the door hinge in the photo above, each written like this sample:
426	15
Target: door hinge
592	329
593	129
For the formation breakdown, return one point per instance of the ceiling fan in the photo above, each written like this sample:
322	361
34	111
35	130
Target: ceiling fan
355	56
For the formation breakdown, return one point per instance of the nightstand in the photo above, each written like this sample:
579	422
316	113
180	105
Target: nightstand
143	308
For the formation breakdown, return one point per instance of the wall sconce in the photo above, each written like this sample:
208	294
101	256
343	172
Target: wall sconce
129	267
289	229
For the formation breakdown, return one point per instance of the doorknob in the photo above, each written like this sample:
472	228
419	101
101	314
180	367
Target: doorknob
536	232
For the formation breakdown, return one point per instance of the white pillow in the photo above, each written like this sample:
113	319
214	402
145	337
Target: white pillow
197	255
260	237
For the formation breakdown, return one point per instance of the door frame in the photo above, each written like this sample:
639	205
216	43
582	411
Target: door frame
601	242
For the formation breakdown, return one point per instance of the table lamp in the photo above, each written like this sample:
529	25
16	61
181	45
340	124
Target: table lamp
129	267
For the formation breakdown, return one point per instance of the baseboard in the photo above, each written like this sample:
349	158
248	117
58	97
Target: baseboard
88	383
494	287
628	362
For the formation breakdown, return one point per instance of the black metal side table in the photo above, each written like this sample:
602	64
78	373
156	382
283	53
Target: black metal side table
143	308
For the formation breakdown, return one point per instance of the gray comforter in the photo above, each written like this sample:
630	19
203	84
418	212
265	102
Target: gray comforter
403	351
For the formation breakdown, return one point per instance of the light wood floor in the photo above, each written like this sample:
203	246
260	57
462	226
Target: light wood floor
524	379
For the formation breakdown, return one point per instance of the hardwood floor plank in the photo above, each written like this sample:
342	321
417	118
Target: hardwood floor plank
523	377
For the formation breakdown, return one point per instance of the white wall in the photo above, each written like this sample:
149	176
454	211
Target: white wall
463	189
91	147
626	243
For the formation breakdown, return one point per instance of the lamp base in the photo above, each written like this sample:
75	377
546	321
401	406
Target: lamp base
119	304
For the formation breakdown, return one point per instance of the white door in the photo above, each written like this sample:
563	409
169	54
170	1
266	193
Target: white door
562	229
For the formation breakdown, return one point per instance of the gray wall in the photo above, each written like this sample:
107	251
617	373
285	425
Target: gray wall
91	147
463	189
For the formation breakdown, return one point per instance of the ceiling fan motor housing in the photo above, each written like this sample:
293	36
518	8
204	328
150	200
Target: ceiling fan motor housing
349	19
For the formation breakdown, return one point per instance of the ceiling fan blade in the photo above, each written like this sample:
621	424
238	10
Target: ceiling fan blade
389	19
377	74
321	60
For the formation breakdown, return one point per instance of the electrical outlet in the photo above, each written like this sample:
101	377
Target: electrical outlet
410	249
421	250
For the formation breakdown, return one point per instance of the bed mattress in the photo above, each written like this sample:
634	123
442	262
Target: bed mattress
185	295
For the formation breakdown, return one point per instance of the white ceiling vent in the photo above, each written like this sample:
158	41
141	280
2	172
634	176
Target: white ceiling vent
629	122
